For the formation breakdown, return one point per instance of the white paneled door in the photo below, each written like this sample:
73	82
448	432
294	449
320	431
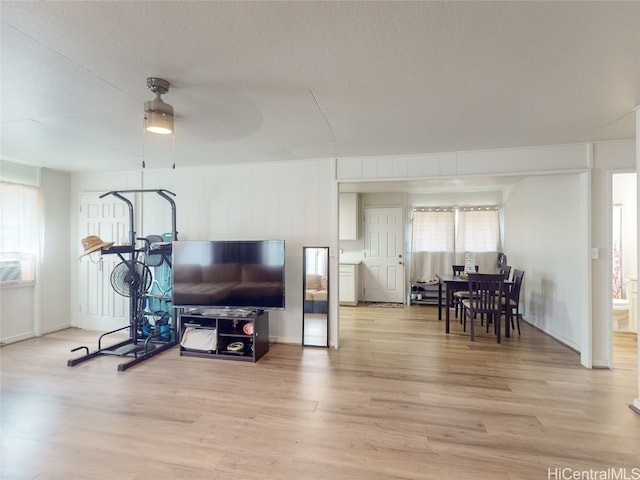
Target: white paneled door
101	308
383	274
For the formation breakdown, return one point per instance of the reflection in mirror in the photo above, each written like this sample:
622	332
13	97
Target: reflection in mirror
315	319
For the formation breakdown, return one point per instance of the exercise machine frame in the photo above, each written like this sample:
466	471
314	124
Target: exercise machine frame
138	346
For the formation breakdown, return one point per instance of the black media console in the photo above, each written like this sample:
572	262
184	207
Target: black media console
229	334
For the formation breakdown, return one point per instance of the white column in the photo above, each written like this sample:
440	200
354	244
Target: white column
636	402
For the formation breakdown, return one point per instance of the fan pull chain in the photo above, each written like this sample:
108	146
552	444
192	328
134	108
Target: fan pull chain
144	165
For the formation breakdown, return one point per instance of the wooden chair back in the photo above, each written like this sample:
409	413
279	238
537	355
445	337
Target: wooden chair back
506	271
458	269
514	292
485	294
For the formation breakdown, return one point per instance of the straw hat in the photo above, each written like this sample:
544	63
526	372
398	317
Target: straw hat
93	243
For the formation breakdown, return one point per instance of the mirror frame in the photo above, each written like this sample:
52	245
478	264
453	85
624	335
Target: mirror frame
304	291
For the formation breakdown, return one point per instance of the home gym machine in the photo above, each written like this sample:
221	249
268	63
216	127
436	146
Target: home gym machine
152	324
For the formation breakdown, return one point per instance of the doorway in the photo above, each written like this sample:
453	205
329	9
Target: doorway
624	268
383	276
100	307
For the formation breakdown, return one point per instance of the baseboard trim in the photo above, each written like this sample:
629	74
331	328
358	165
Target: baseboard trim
569	346
17	338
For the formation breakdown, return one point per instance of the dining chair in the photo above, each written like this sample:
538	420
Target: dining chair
458	269
506	271
485	299
461	294
511	299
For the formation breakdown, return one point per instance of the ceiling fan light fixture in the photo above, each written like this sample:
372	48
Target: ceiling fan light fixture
158	115
158	122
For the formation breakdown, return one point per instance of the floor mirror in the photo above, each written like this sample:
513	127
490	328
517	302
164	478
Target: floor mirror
315	316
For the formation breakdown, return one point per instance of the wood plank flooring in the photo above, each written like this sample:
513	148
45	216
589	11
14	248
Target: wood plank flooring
398	400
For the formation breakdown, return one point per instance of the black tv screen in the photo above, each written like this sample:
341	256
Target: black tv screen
229	274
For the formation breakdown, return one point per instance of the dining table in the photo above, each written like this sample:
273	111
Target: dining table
453	283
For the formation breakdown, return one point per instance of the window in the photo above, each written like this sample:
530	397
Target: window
432	242
441	236
433	230
478	229
20	232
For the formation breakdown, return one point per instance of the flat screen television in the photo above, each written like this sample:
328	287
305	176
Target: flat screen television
247	274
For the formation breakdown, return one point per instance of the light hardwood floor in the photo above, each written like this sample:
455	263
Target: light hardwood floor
398	400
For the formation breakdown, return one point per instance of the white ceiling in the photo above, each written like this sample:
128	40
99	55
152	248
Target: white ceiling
261	81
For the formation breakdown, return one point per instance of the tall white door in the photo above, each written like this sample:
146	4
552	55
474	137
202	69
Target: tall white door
383	276
101	308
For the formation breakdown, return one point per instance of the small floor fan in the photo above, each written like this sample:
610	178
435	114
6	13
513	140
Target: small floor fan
130	278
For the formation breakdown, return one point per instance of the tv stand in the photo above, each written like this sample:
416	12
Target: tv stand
219	334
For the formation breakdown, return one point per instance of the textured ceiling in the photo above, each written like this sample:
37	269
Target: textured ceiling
261	81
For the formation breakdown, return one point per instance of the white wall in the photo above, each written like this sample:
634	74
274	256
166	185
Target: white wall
546	159
636	401
17	313
292	201
28	311
546	235
55	272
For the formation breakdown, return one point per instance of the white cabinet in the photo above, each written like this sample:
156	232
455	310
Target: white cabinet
349	218
633	304
348	294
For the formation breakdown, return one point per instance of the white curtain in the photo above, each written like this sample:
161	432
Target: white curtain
440	237
21	225
432	242
478	232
